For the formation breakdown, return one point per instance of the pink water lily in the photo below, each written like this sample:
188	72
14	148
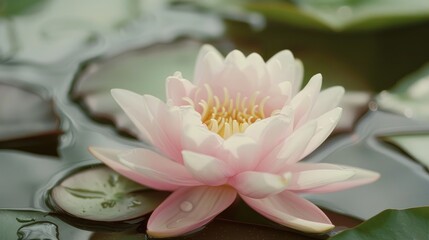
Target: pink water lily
241	128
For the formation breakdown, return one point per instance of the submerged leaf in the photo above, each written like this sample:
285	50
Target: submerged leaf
413	144
142	71
344	15
391	224
100	194
410	97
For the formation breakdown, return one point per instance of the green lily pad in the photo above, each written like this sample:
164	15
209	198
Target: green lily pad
391	224
32	224
343	15
413	144
410	97
143	71
100	194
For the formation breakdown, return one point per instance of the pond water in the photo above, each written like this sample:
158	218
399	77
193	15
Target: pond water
56	72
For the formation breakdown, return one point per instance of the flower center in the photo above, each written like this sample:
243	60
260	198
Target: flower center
229	115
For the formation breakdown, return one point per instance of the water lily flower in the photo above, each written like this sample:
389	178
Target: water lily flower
240	128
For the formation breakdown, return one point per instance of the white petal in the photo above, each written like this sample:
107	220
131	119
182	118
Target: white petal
289	151
309	95
327	100
200	139
209	62
325	125
359	177
206	169
111	159
319	177
177	88
188	209
157	167
243	152
259	184
299	76
290	210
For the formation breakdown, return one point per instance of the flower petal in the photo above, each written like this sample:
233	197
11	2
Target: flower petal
242	152
177	88
157	167
269	132
290	210
289	151
259	184
299	75
110	158
319	177
209	63
327	100
359	177
303	102
207	169
325	125
200	139
188	209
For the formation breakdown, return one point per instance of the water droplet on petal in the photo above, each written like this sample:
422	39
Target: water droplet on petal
186	206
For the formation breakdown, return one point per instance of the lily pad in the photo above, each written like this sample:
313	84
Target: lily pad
27	119
100	194
391	224
416	145
343	15
60	28
142	71
410	97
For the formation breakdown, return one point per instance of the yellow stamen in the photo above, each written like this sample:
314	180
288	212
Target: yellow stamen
230	115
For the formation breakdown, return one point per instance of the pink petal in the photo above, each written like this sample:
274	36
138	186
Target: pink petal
161	124
110	158
289	151
157	167
188	209
325	125
200	139
259	184
177	88
327	100
242	152
299	75
134	106
209	63
206	169
289	210
303	102
269	132
281	67
327	183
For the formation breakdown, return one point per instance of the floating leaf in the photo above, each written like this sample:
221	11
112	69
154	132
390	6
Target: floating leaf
391	224
141	71
416	145
60	28
343	15
27	120
100	194
410	97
